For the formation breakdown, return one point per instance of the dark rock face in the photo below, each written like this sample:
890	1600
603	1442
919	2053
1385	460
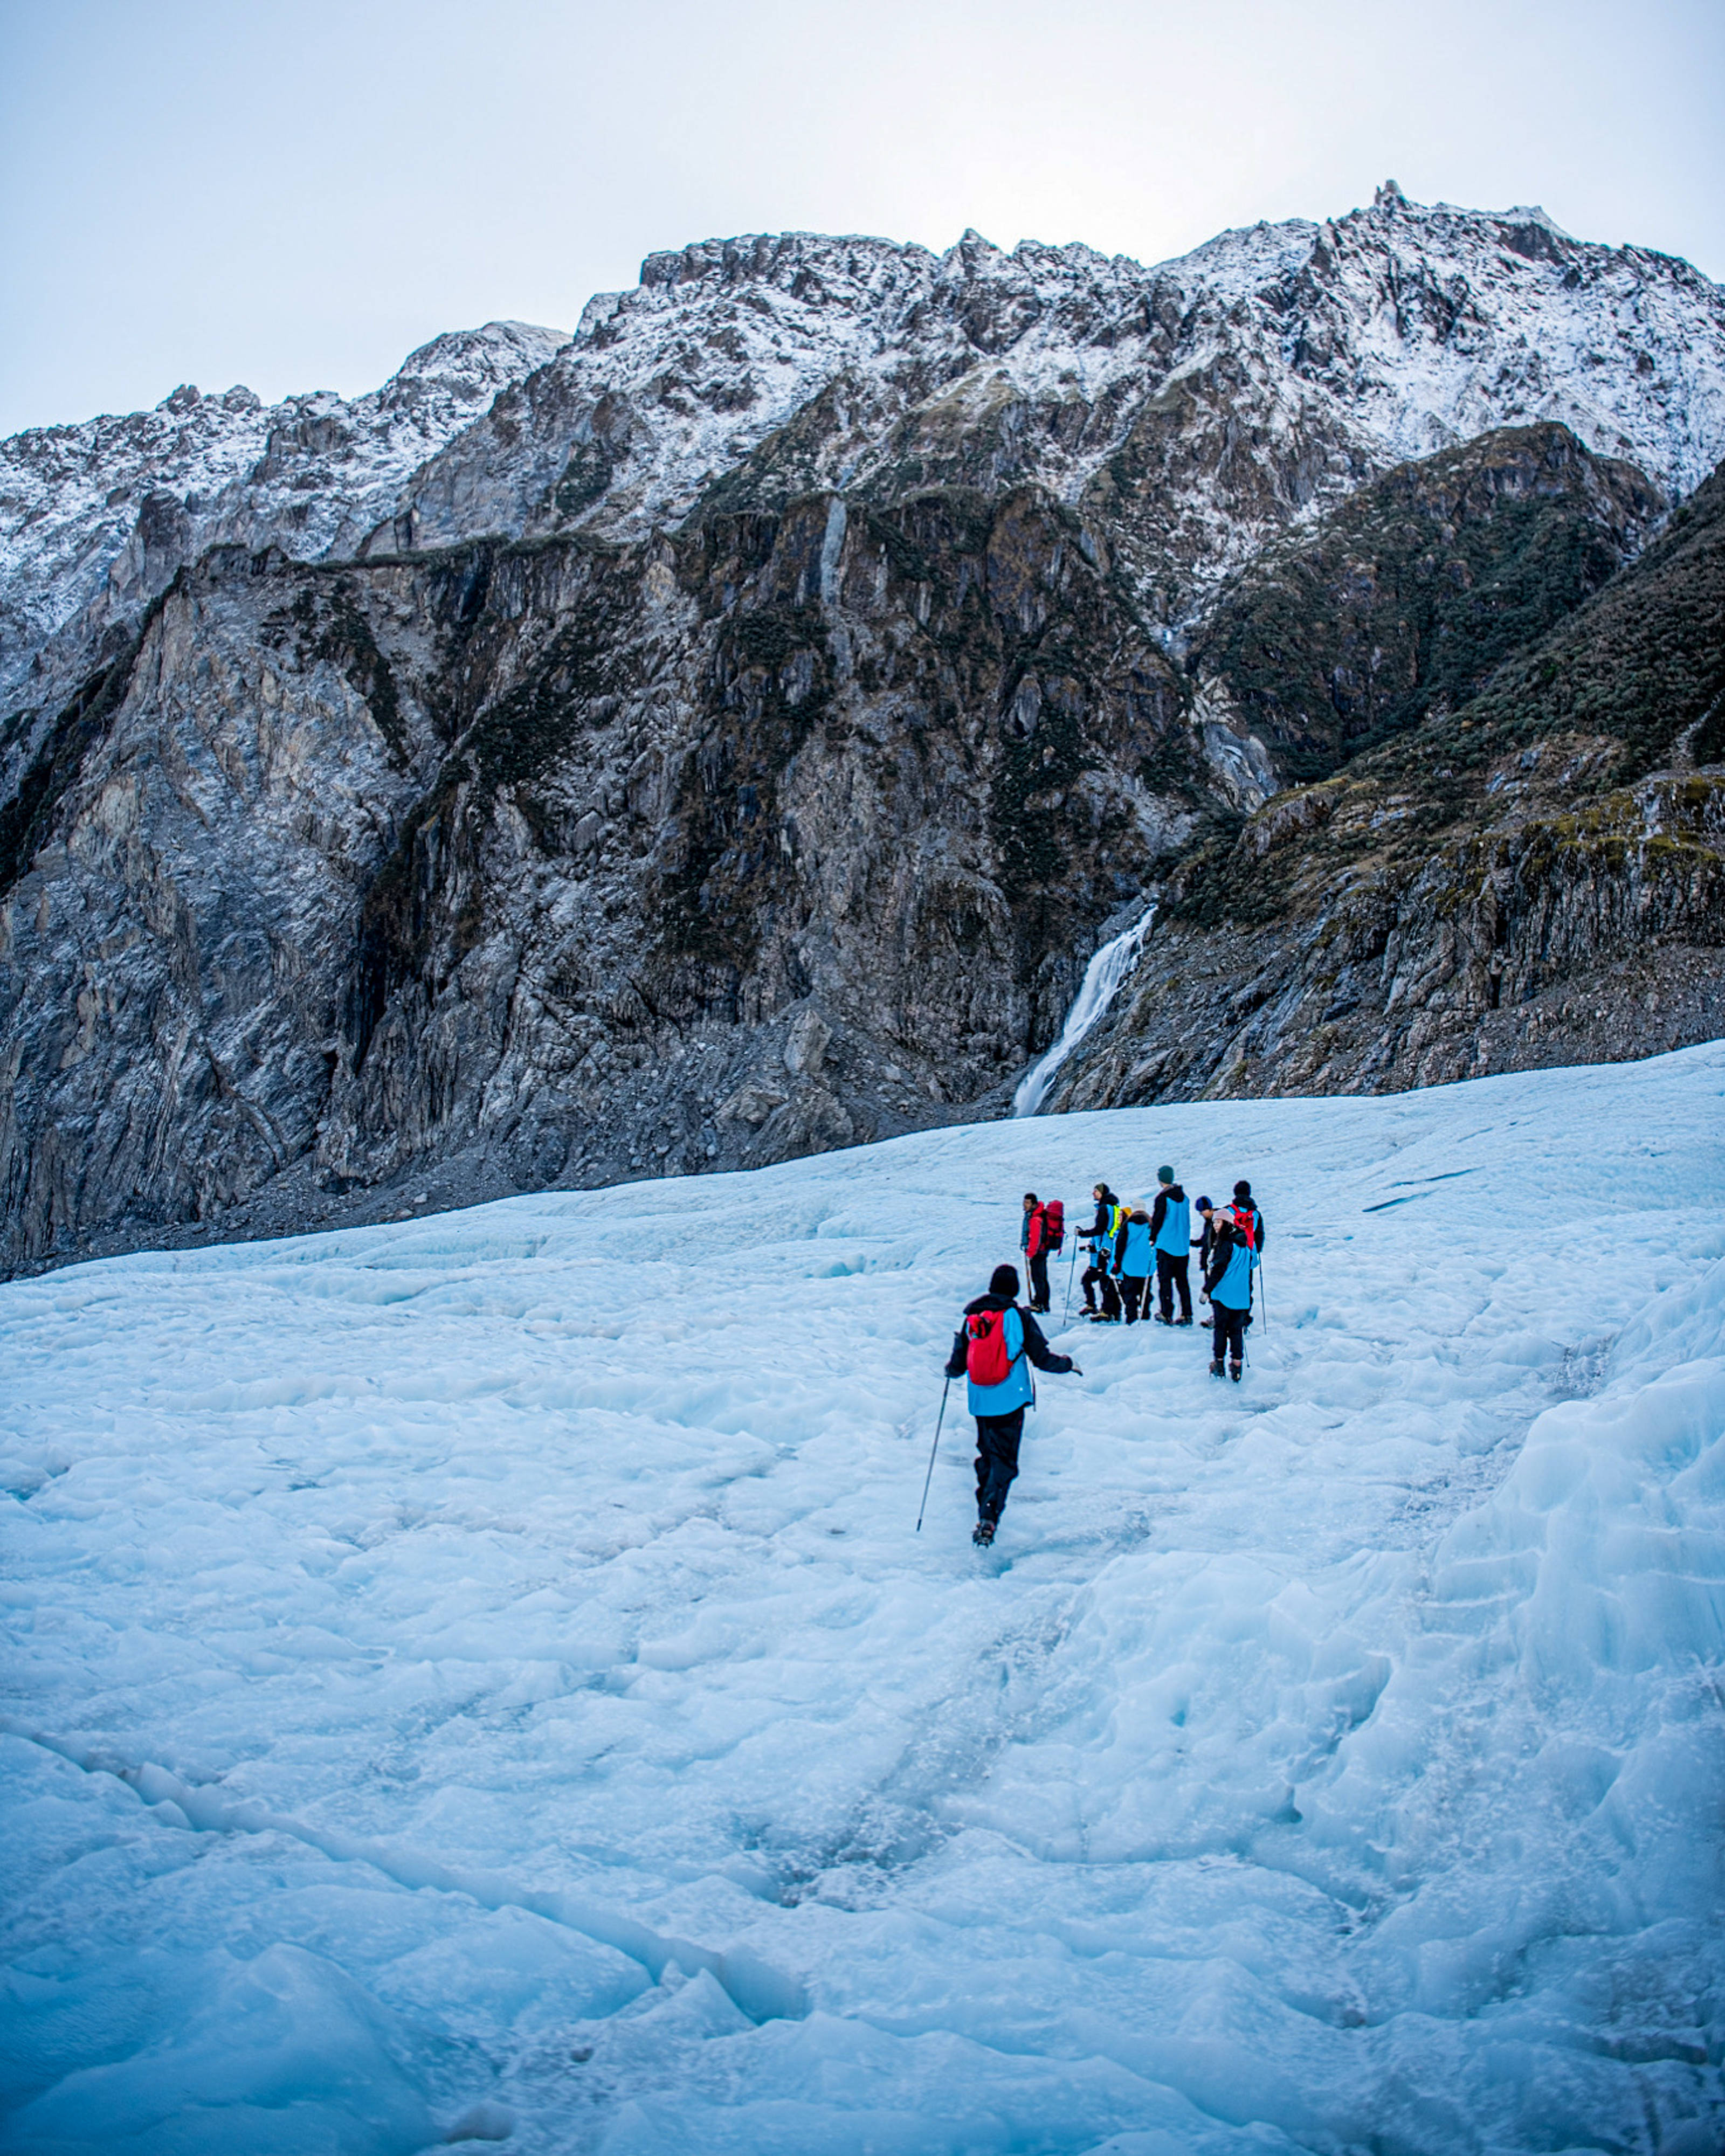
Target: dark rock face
732	739
1417	589
571	860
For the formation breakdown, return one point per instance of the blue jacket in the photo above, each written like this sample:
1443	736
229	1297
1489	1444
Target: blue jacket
1024	1343
1132	1248
1229	1280
1171	1223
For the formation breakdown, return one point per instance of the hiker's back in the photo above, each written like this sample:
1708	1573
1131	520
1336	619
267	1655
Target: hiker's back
998	1377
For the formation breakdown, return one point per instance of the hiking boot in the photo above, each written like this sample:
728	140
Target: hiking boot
982	1534
1161	1319
1182	1321
1234	1372
1216	1366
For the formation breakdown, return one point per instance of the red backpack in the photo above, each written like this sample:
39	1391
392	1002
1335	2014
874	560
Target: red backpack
1053	1223
986	1361
1246	1225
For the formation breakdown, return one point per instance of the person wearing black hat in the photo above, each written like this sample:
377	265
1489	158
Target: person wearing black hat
1170	1234
1247	1217
991	1349
1098	1272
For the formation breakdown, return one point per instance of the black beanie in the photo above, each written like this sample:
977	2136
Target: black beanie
1243	1190
1003	1280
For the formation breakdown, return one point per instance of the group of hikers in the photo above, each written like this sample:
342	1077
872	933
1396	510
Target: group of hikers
1127	1245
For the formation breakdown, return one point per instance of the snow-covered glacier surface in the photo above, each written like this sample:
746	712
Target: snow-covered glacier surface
477	1676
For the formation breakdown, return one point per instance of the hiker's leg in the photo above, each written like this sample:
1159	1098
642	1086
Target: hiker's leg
1177	1273
1005	1432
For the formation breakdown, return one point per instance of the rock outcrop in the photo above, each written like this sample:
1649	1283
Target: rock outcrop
1537	877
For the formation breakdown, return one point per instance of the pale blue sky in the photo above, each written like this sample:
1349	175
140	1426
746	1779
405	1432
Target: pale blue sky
294	196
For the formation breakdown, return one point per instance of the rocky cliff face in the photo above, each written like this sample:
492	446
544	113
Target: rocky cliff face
732	740
1534	877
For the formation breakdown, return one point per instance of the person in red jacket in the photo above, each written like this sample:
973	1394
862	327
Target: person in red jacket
1036	1238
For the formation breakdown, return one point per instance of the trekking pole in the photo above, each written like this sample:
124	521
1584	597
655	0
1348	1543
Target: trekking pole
1066	1314
1263	1299
932	1450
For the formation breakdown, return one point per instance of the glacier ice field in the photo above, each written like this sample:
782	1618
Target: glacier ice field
476	1679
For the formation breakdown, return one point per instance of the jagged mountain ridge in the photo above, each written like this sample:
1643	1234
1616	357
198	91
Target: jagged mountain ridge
1190	409
1318	354
95	518
611	809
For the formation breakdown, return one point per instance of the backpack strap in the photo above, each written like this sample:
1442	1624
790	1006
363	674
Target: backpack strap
1006	1335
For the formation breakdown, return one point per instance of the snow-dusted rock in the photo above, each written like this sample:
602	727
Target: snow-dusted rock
1193	406
95	519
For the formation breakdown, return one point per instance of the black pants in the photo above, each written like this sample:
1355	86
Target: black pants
1135	1290
1230	1330
1171	1274
1039	1280
997	1461
1098	1277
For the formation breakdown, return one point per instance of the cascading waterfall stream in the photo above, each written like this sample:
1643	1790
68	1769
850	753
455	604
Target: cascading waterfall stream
1103	977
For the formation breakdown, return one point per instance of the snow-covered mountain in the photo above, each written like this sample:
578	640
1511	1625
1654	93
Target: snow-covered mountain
95	519
478	1677
729	733
1192	408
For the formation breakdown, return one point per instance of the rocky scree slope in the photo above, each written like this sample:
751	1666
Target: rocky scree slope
734	741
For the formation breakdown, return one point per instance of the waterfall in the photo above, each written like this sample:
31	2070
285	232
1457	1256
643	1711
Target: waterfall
1102	977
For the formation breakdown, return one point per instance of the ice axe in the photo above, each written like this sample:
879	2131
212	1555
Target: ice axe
932	1450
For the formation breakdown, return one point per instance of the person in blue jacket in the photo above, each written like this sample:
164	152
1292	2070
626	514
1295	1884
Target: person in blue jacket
1227	1283
1000	1409
1132	1261
1170	1238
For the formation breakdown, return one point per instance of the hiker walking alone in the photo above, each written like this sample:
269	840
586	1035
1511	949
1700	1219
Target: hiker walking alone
1099	1273
1228	1284
1132	1261
1170	1238
992	1348
1043	1230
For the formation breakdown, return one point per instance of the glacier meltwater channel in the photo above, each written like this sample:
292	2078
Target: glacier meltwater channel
476	1678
